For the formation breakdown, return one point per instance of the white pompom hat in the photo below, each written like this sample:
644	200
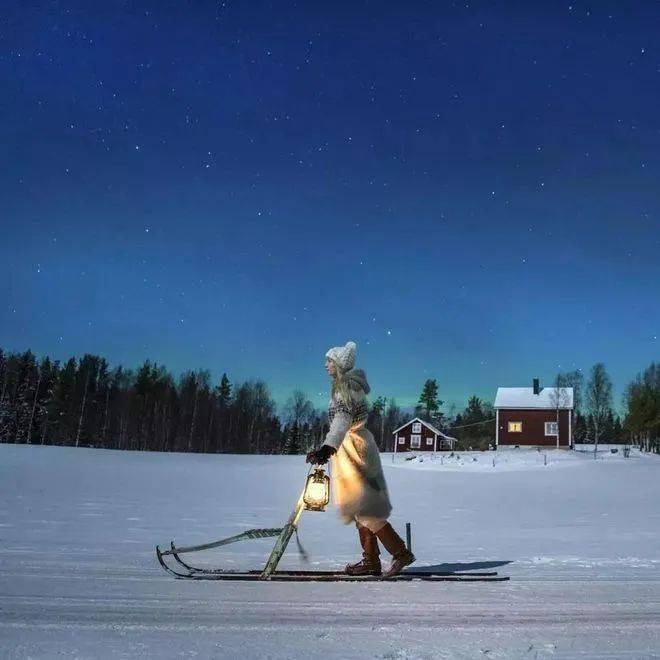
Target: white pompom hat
343	356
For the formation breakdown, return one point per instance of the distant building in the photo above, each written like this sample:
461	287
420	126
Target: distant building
534	416
418	435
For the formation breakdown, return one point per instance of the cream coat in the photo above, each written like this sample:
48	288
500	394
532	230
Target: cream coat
358	482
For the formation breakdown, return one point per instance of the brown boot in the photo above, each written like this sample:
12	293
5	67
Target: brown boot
370	563
393	543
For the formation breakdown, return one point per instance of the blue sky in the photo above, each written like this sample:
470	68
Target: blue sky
469	191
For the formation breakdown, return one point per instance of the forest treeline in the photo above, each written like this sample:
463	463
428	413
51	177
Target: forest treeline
83	402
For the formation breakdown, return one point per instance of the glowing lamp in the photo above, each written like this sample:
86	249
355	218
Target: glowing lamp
317	491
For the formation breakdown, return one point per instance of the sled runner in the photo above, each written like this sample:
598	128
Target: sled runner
331	576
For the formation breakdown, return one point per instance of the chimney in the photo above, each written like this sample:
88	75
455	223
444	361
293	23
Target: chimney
537	389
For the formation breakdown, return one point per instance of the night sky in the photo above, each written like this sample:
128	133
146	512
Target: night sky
470	191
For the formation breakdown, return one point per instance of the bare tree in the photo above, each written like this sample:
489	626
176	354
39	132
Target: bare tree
599	399
393	419
298	409
560	399
574	379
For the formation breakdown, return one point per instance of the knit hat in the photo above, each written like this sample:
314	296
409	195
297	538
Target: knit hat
343	356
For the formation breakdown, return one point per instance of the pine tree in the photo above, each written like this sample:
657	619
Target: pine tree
85	388
50	375
6	425
643	408
144	385
35	402
580	429
307	442
292	445
61	415
4	402
591	429
477	422
3	374
428	406
223	396
25	397
103	402
224	392
378	423
122	382
22	409
607	433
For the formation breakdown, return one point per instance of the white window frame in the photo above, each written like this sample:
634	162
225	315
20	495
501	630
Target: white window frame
510	430
429	442
556	426
402	440
415	441
417	427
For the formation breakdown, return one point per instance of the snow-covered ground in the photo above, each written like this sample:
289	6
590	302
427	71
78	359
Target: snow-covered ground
579	537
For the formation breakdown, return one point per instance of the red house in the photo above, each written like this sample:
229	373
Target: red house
534	416
419	435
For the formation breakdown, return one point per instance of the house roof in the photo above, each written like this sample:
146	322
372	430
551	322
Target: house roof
428	426
524	397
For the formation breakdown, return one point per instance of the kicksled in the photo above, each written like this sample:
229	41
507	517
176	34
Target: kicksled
315	497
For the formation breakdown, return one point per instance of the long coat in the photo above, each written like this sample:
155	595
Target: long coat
358	482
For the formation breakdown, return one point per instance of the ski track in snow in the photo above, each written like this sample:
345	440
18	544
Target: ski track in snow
79	576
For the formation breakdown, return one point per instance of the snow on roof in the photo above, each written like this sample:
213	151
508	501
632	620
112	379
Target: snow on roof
524	397
428	425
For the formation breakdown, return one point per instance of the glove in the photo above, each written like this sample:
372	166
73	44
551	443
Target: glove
321	455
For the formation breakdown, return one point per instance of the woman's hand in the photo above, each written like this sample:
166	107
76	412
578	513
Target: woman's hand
320	456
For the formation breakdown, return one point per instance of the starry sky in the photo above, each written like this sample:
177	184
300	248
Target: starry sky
468	190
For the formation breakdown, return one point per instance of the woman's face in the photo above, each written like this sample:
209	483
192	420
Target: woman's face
330	367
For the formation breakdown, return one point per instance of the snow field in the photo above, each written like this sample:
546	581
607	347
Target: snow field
579	537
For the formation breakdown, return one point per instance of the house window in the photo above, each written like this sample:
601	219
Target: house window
515	427
402	440
415	441
429	442
551	428
417	427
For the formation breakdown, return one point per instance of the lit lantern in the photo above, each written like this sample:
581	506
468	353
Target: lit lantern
317	491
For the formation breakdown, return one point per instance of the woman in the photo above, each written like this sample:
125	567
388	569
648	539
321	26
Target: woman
359	487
